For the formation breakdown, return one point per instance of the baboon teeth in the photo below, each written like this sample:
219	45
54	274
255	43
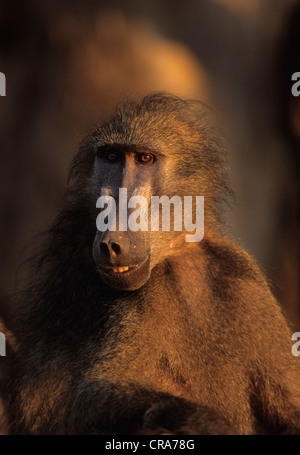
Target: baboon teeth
123	269
120	269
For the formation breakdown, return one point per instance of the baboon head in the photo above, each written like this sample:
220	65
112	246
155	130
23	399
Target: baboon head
160	146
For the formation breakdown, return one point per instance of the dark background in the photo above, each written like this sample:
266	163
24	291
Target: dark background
68	62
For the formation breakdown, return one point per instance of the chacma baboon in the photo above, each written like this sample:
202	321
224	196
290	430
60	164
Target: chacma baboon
143	332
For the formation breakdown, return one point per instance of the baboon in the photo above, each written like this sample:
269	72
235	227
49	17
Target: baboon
124	332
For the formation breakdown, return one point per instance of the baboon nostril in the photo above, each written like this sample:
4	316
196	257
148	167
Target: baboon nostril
109	250
116	248
104	250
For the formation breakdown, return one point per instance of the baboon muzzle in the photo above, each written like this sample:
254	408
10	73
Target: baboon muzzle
122	259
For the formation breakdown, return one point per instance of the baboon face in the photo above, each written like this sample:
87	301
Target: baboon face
162	146
123	252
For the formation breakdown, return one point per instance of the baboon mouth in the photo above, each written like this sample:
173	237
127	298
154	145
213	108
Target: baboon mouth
122	270
118	270
126	278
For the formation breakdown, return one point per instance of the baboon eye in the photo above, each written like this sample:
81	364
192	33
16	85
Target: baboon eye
112	156
145	158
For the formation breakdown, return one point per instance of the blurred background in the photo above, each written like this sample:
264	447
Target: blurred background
68	62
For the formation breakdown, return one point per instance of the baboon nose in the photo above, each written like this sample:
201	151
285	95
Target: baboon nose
110	250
